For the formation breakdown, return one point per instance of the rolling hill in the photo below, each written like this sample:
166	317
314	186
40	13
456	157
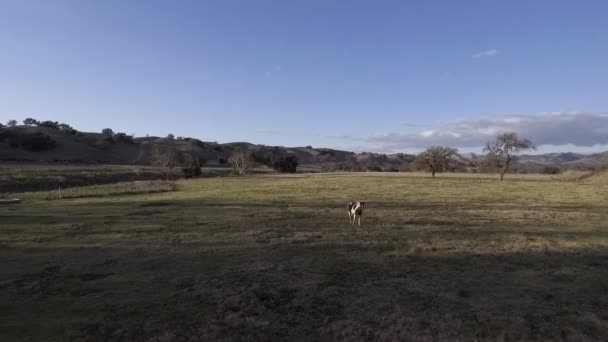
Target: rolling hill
51	145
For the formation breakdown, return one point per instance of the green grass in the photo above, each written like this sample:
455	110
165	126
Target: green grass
273	257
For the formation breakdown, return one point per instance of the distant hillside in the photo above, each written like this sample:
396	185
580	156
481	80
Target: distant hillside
44	144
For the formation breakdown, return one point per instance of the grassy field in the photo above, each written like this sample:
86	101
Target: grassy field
462	257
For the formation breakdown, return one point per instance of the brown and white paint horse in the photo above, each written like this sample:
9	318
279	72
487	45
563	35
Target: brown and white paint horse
355	210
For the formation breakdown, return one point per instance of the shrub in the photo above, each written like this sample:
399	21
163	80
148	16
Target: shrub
48	124
67	129
107	131
11	123
374	168
287	164
30	122
193	168
551	170
122	138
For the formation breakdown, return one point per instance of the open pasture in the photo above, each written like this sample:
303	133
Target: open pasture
462	257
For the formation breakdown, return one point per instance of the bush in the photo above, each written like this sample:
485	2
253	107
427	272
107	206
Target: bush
374	168
122	138
67	129
30	122
48	124
107	131
391	169
551	170
286	164
193	168
193	164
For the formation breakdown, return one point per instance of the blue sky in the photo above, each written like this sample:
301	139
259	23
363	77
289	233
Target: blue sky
365	75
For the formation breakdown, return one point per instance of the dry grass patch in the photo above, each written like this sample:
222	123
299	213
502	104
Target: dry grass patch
274	258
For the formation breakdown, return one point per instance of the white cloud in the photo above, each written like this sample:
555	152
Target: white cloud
565	128
486	53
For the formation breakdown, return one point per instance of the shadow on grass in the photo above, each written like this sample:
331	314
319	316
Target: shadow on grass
404	204
286	292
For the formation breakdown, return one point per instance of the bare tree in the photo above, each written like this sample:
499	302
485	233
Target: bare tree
241	161
437	158
504	148
165	159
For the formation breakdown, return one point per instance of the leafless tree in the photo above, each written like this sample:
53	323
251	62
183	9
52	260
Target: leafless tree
165	159
241	161
437	158
504	148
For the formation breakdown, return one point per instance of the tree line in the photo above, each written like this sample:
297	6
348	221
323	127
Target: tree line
499	152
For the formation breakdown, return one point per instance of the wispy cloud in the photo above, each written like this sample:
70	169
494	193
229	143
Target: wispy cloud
554	128
486	53
275	69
